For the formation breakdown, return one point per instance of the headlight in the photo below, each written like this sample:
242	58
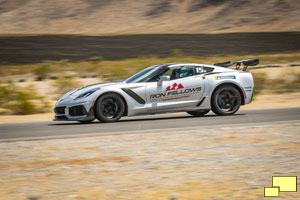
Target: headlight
87	93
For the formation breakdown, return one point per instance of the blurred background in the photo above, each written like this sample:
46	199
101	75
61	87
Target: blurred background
51	47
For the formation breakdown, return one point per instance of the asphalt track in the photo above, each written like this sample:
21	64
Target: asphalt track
139	124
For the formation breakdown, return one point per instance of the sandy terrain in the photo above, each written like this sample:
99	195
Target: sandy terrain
207	163
147	16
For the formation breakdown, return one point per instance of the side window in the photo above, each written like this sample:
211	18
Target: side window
201	69
185	71
182	72
208	69
168	72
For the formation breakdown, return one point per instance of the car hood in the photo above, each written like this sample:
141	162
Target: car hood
74	93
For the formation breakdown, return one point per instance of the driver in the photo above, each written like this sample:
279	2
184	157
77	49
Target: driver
183	72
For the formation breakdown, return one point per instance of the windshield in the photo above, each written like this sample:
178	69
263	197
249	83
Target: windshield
148	74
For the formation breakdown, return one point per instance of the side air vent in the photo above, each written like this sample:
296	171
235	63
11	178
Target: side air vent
77	110
59	110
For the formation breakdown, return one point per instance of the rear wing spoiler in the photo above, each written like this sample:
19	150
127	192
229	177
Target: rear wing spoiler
246	63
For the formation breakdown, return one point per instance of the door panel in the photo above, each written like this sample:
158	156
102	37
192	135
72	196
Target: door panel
173	94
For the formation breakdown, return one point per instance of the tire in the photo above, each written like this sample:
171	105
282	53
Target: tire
226	100
199	113
109	108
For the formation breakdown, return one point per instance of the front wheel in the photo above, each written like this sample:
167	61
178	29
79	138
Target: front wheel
199	113
226	100
109	108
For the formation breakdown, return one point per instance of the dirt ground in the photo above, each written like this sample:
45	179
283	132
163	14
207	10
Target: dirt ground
233	162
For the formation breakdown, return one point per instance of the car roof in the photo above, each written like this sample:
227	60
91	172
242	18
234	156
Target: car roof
185	63
171	65
216	68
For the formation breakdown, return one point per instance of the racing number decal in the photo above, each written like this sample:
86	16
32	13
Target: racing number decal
199	70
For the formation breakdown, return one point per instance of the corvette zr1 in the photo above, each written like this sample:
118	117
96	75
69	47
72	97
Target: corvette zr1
173	87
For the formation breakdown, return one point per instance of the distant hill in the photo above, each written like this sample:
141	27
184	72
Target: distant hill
101	17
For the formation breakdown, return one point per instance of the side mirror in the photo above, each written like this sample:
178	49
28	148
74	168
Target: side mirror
162	79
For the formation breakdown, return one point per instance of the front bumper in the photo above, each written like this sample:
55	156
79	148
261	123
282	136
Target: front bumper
77	112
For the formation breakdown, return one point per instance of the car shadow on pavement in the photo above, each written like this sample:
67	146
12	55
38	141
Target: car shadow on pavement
127	119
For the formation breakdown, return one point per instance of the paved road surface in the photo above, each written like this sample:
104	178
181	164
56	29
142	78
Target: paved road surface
53	129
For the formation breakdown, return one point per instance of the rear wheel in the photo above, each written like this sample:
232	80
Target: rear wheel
226	100
199	113
109	108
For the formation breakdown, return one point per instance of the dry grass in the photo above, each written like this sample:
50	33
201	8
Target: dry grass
70	162
120	69
21	100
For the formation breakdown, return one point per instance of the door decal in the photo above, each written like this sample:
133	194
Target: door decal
175	86
174	92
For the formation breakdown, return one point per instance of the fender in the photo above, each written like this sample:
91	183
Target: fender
234	84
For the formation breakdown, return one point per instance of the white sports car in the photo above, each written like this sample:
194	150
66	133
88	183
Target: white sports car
173	87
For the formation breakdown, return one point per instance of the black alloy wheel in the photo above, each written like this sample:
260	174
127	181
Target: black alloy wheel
109	108
226	100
